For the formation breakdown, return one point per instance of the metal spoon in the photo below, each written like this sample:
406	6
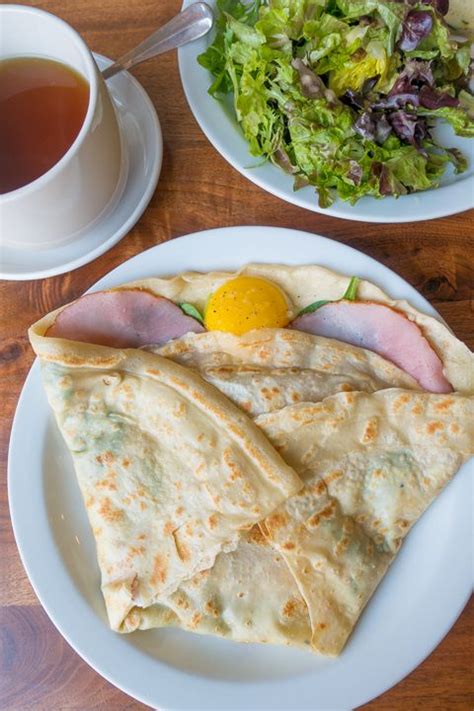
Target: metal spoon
189	25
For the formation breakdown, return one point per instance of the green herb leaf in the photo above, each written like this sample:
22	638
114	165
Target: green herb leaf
313	307
349	295
351	292
191	310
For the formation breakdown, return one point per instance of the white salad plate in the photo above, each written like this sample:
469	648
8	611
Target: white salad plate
416	604
217	120
143	151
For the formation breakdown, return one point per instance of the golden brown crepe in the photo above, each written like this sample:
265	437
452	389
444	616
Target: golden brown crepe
170	471
249	595
372	464
373	455
269	368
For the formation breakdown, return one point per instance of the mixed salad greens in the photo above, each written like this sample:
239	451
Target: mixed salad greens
342	94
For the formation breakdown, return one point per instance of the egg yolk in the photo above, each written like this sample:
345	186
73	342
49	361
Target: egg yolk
245	303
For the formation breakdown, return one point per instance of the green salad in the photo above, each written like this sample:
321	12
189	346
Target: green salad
343	94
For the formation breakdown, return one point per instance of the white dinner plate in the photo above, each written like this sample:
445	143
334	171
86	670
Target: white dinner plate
217	120
143	150
413	608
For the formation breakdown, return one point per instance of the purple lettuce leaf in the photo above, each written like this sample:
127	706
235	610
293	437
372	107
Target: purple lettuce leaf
441	6
365	126
382	129
406	89
312	85
416	26
360	99
354	99
381	172
388	182
373	127
431	99
415	74
408	127
355	172
281	158
369	84
398	101
403	125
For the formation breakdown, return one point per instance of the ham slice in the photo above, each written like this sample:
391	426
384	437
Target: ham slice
383	330
126	318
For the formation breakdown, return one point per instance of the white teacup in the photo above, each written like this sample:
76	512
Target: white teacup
65	201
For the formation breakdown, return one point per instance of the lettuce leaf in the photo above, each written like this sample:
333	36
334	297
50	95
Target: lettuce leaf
284	61
459	119
392	14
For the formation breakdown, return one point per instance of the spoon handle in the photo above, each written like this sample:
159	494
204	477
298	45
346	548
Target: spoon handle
192	23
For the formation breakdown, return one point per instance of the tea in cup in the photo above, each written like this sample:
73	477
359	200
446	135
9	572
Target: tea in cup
62	159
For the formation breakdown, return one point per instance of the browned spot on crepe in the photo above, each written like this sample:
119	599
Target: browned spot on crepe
276	520
371	429
444	405
213	521
196	619
212	608
332	476
434	426
109	513
400	401
106	458
326	512
160	570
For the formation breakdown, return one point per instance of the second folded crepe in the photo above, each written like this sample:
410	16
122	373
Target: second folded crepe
269	368
371	464
169	469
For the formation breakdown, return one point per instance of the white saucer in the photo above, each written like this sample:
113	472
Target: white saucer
143	146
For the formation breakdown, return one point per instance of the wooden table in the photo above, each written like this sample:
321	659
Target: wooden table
199	190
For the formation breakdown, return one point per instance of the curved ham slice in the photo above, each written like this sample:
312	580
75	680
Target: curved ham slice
126	318
382	329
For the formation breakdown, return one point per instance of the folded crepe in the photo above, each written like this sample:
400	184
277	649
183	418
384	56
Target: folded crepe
263	372
371	464
249	595
380	460
169	469
269	368
266	372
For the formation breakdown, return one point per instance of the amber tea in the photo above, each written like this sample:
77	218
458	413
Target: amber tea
43	104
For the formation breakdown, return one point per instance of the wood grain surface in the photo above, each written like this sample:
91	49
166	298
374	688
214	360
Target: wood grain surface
199	190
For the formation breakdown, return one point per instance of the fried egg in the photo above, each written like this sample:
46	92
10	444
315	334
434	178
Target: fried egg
245	303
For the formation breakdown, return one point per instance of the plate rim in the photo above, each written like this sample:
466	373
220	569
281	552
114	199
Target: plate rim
136	213
446	206
313	241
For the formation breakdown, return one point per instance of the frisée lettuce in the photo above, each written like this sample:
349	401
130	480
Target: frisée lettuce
342	94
